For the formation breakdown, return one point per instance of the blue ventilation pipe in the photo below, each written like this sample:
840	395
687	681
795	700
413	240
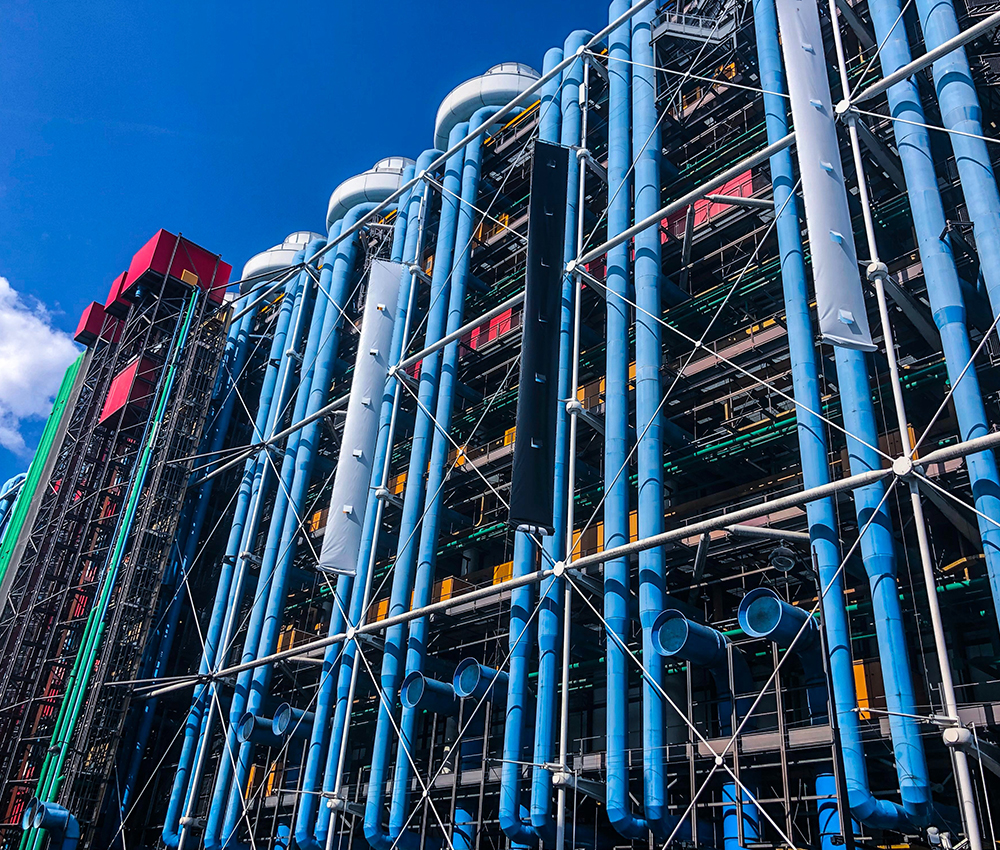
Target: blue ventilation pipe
550	613
268	575
675	636
829	814
813	448
346	587
341	663
196	730
473	680
296	473
63	828
432	495
521	626
413	501
649	420
234	359
616	433
762	614
731	818
943	287
440	447
960	110
879	556
515	817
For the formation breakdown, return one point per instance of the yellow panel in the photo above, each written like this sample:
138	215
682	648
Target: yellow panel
633	526
861	685
189	277
502	572
508	436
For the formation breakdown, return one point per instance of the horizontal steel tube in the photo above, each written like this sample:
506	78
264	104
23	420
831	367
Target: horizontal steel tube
758	158
458	333
928	58
852	482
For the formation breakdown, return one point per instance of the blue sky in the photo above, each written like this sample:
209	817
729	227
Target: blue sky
231	122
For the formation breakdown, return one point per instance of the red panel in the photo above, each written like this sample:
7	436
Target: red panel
130	389
705	210
91	322
117	305
183	260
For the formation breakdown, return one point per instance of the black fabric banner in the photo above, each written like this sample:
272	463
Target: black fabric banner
531	496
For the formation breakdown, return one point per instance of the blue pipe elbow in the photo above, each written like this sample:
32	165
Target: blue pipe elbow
731	818
292	721
422	693
255	729
675	636
476	681
762	614
61	825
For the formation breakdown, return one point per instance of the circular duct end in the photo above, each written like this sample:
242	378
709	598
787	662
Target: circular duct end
412	690
275	259
28	816
468	674
760	612
497	87
282	721
670	632
244	728
373	186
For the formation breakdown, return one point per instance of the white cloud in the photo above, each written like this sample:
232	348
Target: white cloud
33	358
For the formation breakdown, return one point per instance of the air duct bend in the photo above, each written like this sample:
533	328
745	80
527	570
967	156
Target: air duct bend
292	721
257	729
61	825
675	636
477	681
497	87
372	186
275	259
422	693
763	615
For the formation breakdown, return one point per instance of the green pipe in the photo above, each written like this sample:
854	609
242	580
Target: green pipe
50	777
22	505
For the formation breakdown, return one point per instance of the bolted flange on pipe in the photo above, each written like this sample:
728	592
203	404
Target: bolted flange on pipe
473	680
426	694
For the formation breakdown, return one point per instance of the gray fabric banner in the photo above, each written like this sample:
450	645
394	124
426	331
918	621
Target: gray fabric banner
352	479
840	300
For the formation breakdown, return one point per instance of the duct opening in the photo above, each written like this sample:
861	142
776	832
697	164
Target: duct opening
763	615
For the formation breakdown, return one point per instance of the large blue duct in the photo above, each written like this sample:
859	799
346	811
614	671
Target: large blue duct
960	111
306	820
813	448
406	246
197	727
762	614
616	429
522	629
675	636
441	446
648	416
226	787
413	501
943	287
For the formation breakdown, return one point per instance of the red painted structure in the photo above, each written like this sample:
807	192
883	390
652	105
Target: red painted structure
131	389
167	257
